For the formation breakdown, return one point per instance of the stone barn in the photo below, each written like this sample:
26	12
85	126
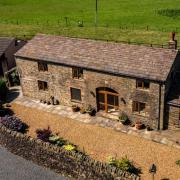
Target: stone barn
111	77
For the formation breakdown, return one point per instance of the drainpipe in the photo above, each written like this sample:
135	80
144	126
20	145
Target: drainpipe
159	118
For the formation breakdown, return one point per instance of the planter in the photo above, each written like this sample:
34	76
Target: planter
139	125
82	111
148	128
75	108
92	112
124	119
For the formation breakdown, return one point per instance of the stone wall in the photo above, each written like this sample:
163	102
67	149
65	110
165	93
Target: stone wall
68	163
60	80
173	116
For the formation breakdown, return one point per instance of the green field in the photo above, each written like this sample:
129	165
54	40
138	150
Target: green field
141	21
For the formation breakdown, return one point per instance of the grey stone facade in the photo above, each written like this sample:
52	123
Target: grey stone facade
59	79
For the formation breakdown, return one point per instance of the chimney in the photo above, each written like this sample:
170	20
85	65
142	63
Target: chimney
173	43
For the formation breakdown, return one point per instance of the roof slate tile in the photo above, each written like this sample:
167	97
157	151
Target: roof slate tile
123	59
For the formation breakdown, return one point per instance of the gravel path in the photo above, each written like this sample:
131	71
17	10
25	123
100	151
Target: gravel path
101	142
13	167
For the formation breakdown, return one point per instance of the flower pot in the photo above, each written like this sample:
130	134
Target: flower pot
75	108
82	111
139	126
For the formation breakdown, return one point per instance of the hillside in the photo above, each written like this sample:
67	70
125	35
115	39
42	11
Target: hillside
123	20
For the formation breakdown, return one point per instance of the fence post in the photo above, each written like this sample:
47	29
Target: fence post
66	20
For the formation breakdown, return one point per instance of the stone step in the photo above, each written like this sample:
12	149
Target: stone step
113	116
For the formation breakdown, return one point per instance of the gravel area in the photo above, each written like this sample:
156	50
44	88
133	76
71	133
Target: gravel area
101	142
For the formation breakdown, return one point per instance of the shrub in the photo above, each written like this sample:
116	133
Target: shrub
69	147
44	134
178	163
3	90
61	142
14	78
55	139
123	118
90	110
124	164
14	123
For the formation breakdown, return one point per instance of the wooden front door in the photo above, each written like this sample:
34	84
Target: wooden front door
107	100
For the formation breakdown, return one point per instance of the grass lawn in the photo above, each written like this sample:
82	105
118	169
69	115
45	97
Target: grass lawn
100	142
139	20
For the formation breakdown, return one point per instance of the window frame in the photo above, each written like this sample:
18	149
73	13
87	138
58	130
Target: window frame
42	84
71	93
142	87
136	108
77	73
42	66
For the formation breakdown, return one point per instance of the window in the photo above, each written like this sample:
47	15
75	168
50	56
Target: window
77	73
42	66
139	108
75	94
42	85
142	84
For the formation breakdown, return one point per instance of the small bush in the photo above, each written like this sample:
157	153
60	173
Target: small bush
124	164
124	119
3	90
69	147
55	139
14	123
44	134
14	78
178	163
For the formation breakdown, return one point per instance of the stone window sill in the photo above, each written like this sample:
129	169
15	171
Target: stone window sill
141	115
76	101
80	79
141	89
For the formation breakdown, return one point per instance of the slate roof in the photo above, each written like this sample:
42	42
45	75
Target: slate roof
121	59
4	44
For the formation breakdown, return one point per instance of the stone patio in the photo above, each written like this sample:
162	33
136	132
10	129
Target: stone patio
167	137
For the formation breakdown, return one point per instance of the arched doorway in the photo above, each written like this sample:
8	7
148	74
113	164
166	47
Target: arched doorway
107	99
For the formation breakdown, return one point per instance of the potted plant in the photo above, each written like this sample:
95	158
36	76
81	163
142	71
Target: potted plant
148	128
75	108
91	111
123	118
82	110
139	125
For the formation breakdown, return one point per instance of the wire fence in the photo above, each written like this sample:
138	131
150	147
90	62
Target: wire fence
74	22
79	22
27	37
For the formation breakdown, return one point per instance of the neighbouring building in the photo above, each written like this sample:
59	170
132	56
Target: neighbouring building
111	77
8	46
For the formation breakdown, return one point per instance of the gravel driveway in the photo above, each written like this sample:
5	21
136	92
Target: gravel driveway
100	142
13	167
